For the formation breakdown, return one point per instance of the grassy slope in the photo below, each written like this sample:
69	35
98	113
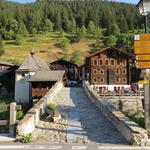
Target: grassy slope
45	47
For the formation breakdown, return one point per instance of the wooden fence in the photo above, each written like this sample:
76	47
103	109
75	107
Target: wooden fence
12	108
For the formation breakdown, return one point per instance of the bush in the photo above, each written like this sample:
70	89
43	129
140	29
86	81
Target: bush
27	138
52	106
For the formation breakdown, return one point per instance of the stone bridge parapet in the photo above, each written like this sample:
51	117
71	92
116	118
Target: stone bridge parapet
30	120
133	133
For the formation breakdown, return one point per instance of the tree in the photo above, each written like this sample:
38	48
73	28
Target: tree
113	30
33	31
1	48
76	57
22	29
110	40
19	40
65	42
91	28
48	25
99	43
58	22
83	31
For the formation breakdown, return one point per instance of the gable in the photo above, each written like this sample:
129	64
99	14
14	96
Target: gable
110	53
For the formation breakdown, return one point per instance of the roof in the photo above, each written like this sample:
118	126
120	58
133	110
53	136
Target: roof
33	64
107	48
5	72
6	63
47	76
63	61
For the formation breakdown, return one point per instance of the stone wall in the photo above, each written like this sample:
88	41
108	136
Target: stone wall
133	133
30	120
131	105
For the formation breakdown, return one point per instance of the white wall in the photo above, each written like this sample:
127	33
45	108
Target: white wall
111	87
22	87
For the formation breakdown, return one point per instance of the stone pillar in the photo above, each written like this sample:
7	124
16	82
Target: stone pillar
12	118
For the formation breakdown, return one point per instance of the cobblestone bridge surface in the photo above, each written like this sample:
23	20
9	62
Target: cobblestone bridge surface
81	122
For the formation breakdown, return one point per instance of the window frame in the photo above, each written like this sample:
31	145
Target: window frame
100	61
107	61
117	69
95	70
117	79
113	62
124	80
93	62
124	71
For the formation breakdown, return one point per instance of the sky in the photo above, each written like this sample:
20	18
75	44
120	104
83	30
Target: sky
125	1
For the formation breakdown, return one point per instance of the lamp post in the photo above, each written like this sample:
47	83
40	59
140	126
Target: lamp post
144	9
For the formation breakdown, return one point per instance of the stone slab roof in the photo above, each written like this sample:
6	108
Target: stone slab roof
2	62
40	76
33	64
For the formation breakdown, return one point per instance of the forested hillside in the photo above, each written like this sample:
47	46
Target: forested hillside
67	15
108	23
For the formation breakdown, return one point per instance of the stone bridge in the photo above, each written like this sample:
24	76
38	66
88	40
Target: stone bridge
85	119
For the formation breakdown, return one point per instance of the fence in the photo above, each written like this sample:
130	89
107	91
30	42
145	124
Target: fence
12	108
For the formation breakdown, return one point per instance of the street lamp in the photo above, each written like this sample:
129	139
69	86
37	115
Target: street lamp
144	9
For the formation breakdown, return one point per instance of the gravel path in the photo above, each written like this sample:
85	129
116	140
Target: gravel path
81	122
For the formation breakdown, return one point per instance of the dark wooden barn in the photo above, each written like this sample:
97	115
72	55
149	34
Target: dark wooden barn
108	66
7	79
71	69
42	81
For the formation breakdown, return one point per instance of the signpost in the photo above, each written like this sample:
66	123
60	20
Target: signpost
142	52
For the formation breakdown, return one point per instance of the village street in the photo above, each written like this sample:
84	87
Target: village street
81	122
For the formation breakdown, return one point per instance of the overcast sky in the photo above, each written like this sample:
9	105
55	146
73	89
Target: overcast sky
126	1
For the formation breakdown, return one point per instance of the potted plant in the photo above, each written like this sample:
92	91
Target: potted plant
52	112
50	109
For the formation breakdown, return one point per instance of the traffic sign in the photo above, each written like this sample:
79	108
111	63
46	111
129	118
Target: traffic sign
143	57
142	43
143	50
143	64
142	37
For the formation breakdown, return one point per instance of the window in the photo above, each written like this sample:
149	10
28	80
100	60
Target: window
112	62
124	80
117	71
107	62
124	63
94	80
23	74
117	80
101	72
101	80
123	71
95	62
100	62
95	72
118	62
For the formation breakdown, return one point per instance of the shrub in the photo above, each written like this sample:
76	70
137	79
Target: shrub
19	115
27	138
52	106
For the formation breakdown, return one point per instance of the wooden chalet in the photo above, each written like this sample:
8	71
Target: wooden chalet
71	69
7	79
108	66
42	82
